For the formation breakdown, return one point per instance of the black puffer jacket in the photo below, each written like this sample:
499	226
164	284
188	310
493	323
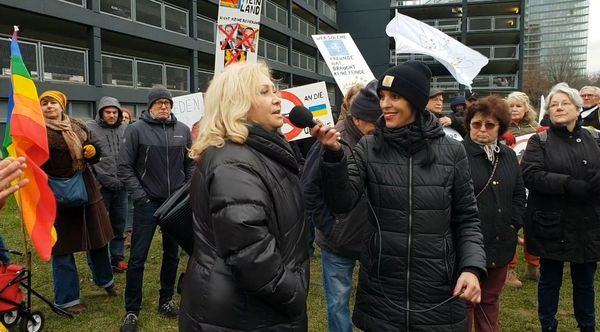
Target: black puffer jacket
429	226
501	205
249	267
558	225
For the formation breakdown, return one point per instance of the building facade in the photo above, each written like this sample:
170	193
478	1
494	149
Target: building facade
121	48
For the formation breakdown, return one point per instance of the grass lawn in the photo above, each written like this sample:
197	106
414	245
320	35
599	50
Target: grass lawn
518	311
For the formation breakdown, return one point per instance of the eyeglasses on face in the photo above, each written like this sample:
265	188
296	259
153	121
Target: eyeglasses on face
561	104
488	125
164	102
588	95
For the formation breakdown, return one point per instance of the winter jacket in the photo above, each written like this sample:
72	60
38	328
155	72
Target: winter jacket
340	234
249	267
523	128
501	205
153	160
79	228
426	231
108	138
558	225
592	119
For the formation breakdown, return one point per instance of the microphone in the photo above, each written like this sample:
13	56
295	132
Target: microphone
301	117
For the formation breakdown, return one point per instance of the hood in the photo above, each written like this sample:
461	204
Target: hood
107	102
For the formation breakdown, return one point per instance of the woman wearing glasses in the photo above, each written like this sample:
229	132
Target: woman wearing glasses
561	169
500	197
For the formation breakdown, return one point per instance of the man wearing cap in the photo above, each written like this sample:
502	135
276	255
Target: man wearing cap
106	133
591	102
435	105
424	255
340	235
471	99
153	163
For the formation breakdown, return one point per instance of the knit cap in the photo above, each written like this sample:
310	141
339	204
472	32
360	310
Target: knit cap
56	95
366	103
159	92
410	80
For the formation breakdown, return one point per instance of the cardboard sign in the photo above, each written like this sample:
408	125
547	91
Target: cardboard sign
312	96
188	108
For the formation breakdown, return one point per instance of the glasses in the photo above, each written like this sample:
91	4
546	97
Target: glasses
488	125
564	104
162	103
588	96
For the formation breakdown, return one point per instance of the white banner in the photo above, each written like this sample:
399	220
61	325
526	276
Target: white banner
188	108
312	96
344	60
413	36
237	32
520	145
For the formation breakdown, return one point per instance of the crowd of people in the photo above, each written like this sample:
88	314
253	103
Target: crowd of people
434	223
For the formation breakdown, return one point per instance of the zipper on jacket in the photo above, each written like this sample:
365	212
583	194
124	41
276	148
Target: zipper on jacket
145	163
409	244
168	167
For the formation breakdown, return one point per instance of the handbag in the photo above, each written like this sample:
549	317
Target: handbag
69	192
175	217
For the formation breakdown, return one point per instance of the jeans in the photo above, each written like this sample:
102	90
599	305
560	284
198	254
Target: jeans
485	315
116	205
66	277
337	282
582	277
144	225
129	223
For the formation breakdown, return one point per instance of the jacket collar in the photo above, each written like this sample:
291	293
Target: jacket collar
475	149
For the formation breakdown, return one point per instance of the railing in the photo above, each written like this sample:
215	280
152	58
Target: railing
303	61
407	3
311	3
499	52
445	25
272	51
402	57
328	10
323	69
493	82
303	27
493	23
275	12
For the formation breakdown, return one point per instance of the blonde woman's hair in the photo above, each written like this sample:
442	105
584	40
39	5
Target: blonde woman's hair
348	99
530	114
227	101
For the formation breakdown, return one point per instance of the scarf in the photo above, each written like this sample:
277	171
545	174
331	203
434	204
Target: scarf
71	139
347	126
272	145
491	150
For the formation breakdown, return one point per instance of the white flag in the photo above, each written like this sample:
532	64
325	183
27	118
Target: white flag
413	36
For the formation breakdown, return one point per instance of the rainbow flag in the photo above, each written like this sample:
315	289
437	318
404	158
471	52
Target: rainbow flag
318	110
26	136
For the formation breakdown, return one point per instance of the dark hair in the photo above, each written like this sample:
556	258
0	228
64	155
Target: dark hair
490	106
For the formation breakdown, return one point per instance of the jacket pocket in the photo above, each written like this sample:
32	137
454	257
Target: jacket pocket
449	259
547	225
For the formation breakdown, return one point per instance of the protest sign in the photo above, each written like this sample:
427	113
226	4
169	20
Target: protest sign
344	60
188	108
312	96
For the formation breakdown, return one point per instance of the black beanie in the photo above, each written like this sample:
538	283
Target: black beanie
365	105
410	80
159	92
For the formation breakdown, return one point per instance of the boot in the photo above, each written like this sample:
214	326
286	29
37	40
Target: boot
533	272
512	280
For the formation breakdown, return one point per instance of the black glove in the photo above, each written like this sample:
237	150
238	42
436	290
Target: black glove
577	188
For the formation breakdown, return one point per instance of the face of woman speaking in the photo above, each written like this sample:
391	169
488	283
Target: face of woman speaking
397	111
562	111
484	129
517	110
266	108
51	108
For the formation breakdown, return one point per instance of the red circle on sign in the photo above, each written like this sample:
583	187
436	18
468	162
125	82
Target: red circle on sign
297	102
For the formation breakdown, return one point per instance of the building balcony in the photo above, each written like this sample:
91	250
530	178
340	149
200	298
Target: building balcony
407	3
481	82
493	23
447	25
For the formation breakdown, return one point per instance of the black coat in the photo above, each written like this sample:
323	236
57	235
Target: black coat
249	267
429	228
593	119
559	226
501	205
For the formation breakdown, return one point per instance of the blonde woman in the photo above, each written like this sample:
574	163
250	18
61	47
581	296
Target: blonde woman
522	115
249	268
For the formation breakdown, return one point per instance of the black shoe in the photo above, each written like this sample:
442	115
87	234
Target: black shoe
169	309
130	323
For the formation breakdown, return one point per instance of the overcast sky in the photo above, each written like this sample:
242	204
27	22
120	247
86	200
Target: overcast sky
593	57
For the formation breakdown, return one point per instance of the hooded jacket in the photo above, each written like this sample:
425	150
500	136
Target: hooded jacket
108	138
153	160
425	230
249	267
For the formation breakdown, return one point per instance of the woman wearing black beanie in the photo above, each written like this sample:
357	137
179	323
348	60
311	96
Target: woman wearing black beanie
424	255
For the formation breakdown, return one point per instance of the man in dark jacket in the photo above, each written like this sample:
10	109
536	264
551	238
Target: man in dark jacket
591	103
435	105
424	249
106	133
153	163
340	236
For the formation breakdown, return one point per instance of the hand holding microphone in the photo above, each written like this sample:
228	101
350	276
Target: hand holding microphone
301	117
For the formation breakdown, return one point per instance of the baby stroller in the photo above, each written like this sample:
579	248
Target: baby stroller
16	305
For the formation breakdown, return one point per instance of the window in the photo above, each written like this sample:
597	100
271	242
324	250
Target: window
61	64
75	2
206	29
80	110
117	71
177	78
275	12
121	8
328	10
149	12
476	23
28	52
3	111
176	20
204	78
148	74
